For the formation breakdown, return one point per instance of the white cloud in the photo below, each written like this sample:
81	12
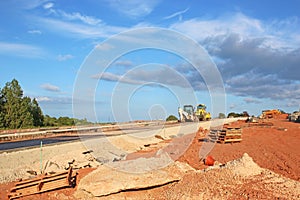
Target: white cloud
200	29
64	57
179	14
49	87
78	30
251	100
48	5
255	57
145	75
275	34
133	8
117	78
22	50
77	16
35	32
43	99
74	16
124	63
52	100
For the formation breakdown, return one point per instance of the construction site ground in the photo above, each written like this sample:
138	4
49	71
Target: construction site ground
274	147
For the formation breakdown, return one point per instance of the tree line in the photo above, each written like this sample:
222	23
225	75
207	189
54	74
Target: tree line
18	111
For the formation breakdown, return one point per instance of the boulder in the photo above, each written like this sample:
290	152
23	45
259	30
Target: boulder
107	180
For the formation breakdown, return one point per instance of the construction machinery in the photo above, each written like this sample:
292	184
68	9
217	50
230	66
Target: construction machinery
294	116
201	113
266	114
188	113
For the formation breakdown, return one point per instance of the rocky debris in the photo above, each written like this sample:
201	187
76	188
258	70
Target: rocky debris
87	152
52	167
238	179
32	172
107	180
142	165
159	137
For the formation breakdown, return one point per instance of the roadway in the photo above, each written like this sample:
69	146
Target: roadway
140	132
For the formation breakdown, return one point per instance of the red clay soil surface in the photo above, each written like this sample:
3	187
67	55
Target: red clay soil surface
273	147
273	144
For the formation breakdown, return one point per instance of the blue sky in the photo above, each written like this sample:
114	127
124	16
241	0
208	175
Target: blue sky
254	44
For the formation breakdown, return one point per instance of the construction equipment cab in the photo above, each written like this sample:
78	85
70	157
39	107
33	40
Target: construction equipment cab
202	114
187	114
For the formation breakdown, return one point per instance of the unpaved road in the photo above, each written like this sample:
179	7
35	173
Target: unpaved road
135	131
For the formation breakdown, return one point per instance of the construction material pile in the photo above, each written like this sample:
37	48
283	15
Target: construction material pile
43	183
228	135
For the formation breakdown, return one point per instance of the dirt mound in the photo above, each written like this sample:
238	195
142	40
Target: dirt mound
244	166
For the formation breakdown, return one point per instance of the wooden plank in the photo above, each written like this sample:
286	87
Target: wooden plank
42	184
34	190
38	178
223	139
236	134
35	182
30	191
230	140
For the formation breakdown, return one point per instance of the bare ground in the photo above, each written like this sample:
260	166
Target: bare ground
276	148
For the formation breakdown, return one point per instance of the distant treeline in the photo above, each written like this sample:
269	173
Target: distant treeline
17	111
233	114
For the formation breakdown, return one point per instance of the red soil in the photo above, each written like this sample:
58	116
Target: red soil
275	146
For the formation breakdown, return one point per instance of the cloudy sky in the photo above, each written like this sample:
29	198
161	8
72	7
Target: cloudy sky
255	46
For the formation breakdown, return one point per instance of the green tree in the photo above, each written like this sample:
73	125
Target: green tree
18	111
12	97
233	114
26	117
2	114
37	114
65	121
50	121
172	118
221	116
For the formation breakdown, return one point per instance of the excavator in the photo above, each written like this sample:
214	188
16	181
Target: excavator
188	113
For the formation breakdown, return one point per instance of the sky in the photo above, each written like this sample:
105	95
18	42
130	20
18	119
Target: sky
253	46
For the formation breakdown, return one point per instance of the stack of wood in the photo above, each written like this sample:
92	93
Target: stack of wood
226	135
43	183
